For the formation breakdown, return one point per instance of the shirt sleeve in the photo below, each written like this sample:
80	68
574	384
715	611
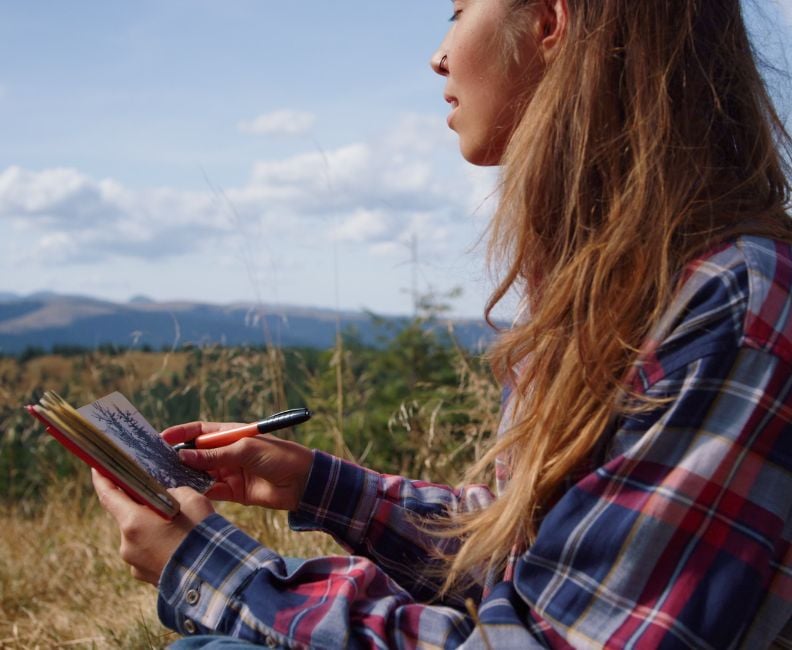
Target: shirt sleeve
385	518
222	581
680	539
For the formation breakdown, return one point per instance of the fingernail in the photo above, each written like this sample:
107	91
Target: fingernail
188	455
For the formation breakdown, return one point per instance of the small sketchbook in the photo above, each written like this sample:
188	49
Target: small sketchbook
116	440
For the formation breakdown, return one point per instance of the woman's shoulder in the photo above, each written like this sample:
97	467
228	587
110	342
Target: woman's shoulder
758	273
761	261
739	294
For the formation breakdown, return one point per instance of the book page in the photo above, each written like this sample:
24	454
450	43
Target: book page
116	416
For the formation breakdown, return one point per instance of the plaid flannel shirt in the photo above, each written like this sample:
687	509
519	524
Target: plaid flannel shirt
679	537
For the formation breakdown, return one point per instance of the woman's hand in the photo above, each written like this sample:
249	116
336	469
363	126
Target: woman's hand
264	470
148	540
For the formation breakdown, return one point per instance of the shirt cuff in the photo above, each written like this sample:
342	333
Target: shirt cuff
340	499
200	582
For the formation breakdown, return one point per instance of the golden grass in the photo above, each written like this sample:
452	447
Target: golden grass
62	584
134	367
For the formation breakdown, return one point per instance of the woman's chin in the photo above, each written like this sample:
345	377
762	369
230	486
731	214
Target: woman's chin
480	156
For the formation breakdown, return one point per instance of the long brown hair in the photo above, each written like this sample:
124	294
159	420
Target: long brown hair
650	138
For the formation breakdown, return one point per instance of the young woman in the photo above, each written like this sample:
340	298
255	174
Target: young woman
644	463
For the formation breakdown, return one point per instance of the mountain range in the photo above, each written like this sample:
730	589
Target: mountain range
43	320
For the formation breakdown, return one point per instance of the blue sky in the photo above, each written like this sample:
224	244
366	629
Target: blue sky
224	150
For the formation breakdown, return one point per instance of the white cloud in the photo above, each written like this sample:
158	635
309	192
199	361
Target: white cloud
60	195
70	217
283	122
404	171
370	226
374	195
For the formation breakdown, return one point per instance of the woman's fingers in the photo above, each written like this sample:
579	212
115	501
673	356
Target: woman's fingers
112	498
241	453
263	470
184	432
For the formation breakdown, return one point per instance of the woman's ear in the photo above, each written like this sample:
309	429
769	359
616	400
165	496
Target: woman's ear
555	18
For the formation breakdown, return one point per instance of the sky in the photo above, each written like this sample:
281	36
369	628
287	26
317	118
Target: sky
245	150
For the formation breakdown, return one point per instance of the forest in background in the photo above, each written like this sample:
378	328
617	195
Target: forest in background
417	405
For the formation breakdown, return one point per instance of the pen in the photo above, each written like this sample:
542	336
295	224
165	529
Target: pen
280	420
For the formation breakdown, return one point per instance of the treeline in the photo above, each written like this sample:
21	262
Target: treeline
416	403
67	350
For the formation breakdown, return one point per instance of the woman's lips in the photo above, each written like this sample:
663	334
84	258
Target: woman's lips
454	102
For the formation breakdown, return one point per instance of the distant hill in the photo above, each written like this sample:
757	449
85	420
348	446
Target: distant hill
45	320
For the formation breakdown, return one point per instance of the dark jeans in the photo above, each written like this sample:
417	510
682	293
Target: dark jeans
210	642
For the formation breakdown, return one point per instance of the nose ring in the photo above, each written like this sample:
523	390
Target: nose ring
443	65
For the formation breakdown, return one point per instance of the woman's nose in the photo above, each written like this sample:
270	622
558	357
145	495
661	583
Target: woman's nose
438	63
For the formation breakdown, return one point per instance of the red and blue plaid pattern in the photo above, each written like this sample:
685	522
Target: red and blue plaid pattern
680	538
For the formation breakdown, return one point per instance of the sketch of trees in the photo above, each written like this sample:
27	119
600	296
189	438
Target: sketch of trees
150	451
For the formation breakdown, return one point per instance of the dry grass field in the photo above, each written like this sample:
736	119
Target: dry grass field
62	584
415	408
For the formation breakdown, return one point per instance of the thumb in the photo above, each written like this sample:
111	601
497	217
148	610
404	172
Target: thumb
210	458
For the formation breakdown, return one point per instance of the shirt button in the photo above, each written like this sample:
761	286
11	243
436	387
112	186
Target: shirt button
189	626
270	641
192	596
